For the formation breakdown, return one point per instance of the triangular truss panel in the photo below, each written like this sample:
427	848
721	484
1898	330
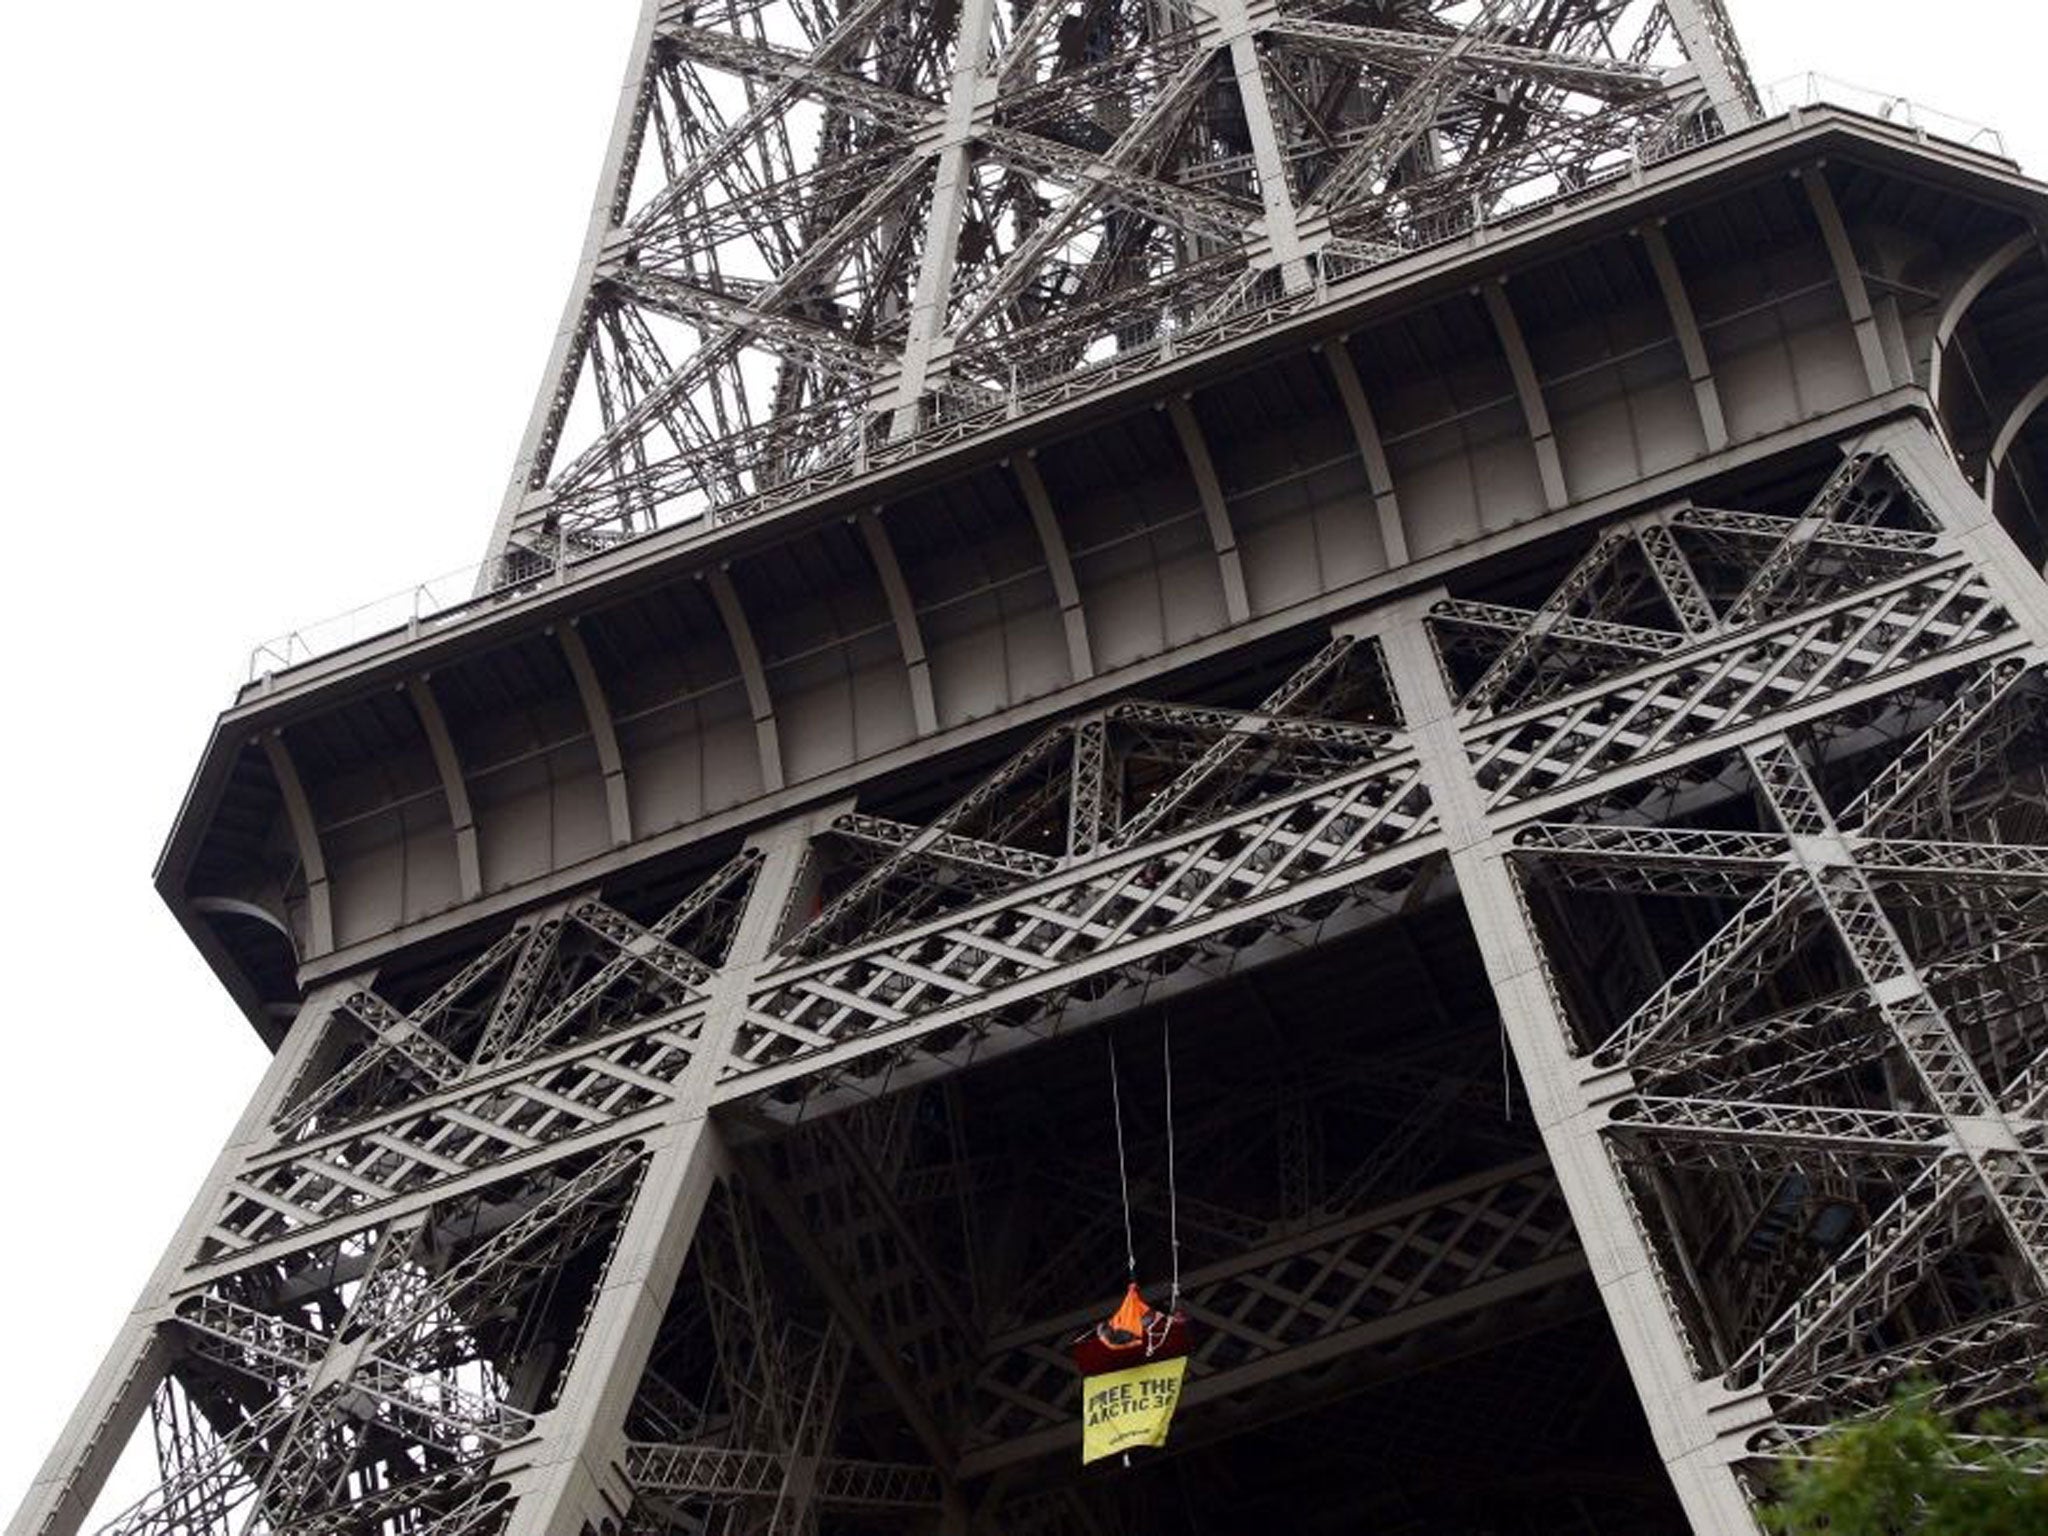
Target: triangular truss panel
1803	964
1459	785
829	228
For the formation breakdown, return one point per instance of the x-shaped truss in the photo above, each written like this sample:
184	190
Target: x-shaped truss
1901	1103
829	230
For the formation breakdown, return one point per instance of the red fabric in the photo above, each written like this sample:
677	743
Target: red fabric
1134	1333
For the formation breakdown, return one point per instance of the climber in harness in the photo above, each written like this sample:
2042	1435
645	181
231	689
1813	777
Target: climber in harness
1133	1362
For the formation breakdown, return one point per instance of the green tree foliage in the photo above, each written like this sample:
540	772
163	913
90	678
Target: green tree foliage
1911	1471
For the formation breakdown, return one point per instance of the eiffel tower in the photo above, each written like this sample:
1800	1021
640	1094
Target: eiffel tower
1437	570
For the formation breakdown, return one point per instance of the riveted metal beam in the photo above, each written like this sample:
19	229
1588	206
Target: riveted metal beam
1059	565
1215	509
903	614
753	676
604	736
1528	390
454	788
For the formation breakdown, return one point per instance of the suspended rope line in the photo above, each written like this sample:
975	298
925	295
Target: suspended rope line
1172	1183
1132	1363
1123	1177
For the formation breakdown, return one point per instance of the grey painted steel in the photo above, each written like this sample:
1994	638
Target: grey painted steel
1454	502
564	1483
1529	392
604	734
1300	200
1386	505
1848	273
801	1016
306	838
1059	566
621	1091
65	1489
454	787
1685	326
1215	511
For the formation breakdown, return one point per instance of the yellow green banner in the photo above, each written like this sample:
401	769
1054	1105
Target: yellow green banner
1125	1409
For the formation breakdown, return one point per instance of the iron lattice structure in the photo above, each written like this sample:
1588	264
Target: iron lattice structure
834	236
1559	744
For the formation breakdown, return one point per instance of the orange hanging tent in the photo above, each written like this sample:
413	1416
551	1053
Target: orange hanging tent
1134	1361
1134	1333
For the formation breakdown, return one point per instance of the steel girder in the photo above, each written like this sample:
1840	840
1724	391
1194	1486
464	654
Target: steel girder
1827	1114
1279	1307
1796	1136
830	234
347	1315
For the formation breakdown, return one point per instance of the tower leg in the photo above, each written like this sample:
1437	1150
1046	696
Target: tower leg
574	1480
1699	1428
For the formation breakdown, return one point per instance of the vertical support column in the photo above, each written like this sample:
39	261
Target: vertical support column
1855	294
1093	799
1708	38
1282	222
572	336
950	186
97	1432
1699	1428
573	1479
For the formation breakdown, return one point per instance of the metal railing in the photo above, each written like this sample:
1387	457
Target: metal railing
1249	301
1817	90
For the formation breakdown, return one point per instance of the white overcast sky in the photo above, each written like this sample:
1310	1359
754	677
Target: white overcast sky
276	285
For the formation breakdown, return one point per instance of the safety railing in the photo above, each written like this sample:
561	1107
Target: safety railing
1817	90
860	443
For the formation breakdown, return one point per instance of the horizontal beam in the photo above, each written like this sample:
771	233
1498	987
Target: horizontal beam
722	1471
1358	1283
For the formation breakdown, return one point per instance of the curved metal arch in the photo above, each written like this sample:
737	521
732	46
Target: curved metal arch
441	742
1529	389
2015	420
1834	234
234	906
298	813
903	613
2009	430
753	675
604	734
1059	564
1365	431
1966	293
1692	343
1215	510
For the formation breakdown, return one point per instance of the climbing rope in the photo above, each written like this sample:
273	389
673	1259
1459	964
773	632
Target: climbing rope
1172	1184
1123	1177
1123	1174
